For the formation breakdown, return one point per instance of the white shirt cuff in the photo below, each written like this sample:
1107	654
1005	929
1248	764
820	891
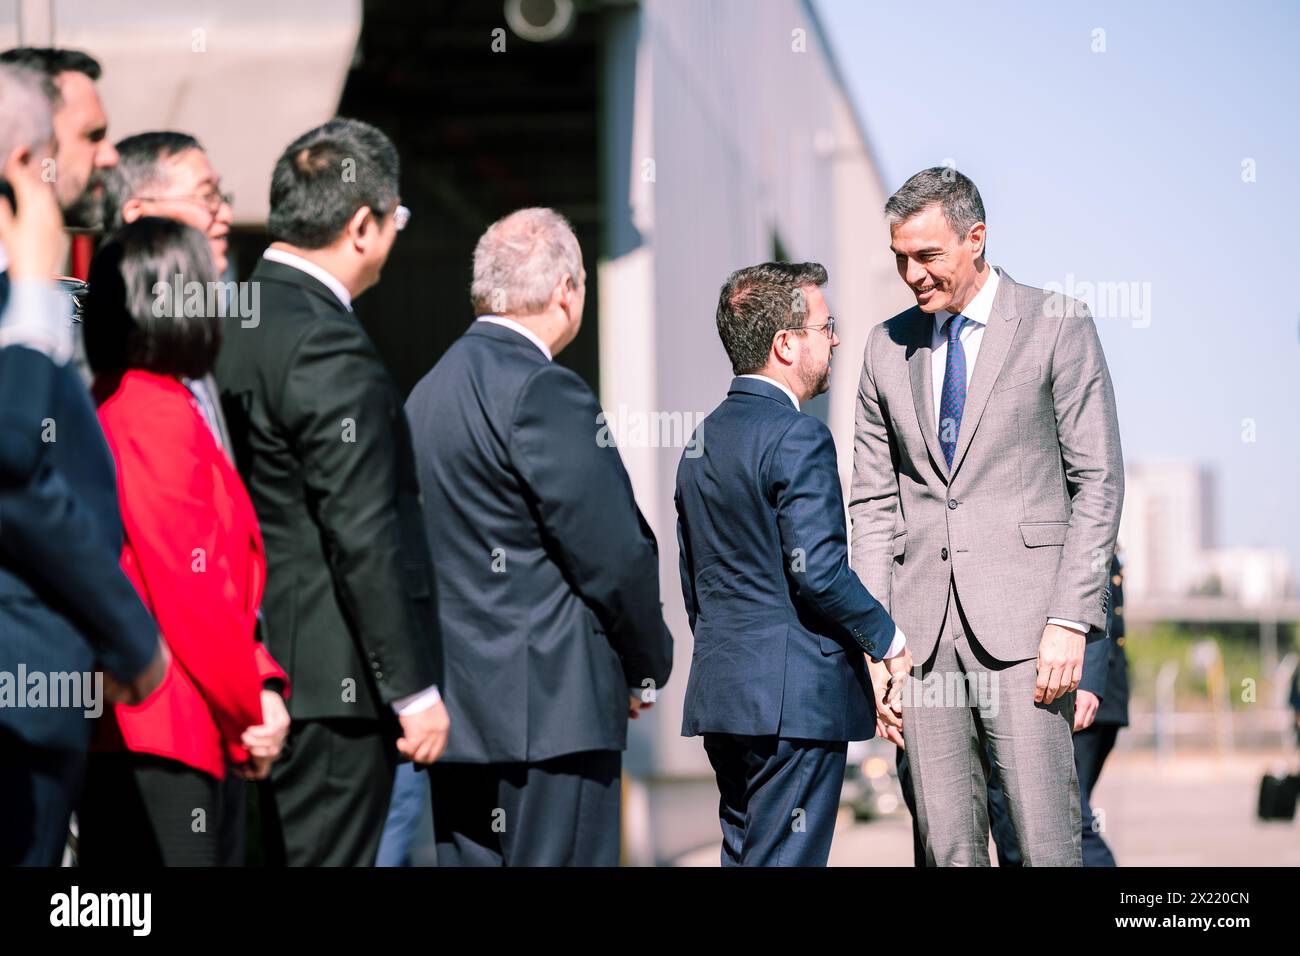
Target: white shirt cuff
1072	625
39	317
897	645
417	702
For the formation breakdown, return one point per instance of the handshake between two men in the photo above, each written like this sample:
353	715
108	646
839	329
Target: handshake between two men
984	504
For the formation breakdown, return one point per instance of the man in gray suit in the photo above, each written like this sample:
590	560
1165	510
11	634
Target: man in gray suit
987	485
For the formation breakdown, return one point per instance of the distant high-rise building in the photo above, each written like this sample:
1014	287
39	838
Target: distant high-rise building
1167	527
1169	543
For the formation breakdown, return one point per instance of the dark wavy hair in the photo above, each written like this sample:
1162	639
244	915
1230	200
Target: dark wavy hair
131	320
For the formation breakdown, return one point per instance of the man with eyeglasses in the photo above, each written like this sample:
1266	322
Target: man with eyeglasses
779	679
322	442
168	174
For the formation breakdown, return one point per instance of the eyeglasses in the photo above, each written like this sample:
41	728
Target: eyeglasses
828	328
212	201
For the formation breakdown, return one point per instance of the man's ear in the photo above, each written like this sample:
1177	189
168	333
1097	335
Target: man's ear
360	226
977	237
568	289
560	294
780	347
132	210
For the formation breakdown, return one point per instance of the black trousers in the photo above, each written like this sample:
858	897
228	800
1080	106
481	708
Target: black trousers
779	798
1091	748
38	789
558	812
232	838
327	798
142	810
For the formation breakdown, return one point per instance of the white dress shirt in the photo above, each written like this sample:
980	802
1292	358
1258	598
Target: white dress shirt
781	385
971	334
899	642
420	700
327	279
522	329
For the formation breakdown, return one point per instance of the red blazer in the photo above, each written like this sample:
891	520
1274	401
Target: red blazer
193	549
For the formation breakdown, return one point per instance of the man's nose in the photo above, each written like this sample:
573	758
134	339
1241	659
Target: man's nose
106	156
915	273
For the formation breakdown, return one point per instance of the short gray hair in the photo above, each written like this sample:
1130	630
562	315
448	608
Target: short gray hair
141	165
24	110
520	258
954	191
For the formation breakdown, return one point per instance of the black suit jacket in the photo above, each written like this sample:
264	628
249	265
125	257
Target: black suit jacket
65	605
323	446
780	619
548	577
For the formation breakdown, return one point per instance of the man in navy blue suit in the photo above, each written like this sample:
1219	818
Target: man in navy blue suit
547	575
66	608
779	682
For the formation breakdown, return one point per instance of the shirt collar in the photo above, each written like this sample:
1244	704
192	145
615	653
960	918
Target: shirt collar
316	272
4	259
523	330
978	309
781	385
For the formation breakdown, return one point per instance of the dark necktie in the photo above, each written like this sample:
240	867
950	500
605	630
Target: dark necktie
953	398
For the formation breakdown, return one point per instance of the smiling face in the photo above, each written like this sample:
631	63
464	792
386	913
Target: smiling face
189	192
940	267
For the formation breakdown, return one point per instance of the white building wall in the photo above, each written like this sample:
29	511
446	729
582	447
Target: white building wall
741	136
199	66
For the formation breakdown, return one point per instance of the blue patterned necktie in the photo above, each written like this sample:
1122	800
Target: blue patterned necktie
953	398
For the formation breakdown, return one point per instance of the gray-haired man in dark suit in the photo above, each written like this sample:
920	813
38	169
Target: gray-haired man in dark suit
548	576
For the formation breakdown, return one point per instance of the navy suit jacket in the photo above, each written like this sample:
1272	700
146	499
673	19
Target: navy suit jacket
65	605
780	620
547	573
1105	664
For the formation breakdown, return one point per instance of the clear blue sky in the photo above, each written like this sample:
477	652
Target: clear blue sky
1126	166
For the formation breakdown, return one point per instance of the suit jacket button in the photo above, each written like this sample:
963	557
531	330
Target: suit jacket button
943	554
952	504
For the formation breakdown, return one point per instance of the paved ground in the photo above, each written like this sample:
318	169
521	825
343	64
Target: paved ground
1185	811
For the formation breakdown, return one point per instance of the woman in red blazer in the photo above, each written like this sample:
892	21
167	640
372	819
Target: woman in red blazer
193	549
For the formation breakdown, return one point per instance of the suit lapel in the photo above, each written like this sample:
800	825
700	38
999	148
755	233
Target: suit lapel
919	370
1004	320
269	269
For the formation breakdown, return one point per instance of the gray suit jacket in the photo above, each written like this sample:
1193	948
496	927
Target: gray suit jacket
1025	524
